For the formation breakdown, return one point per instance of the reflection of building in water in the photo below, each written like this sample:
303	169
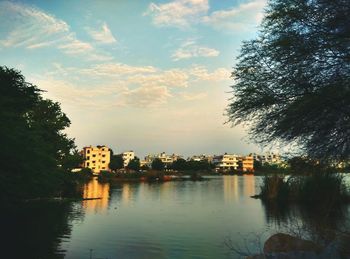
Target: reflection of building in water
94	189
237	186
126	193
249	185
231	188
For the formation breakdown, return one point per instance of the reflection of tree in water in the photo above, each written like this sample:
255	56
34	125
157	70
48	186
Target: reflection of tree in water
313	222
35	230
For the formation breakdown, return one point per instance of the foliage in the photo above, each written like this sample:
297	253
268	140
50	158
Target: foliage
35	152
179	164
117	162
306	189
157	164
134	164
292	81
191	165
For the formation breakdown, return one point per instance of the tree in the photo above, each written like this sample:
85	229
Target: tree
292	81
117	162
157	164
35	152
134	164
179	164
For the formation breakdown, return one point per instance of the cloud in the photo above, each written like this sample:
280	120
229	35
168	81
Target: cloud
201	73
146	96
104	36
31	28
177	13
243	17
191	49
184	13
168	78
194	97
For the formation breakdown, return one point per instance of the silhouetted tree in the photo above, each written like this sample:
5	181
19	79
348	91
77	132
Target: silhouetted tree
134	164
35	152
157	164
117	162
292	81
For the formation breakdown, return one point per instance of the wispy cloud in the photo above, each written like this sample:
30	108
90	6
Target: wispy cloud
190	49
103	36
106	85
201	73
185	13
177	13
31	28
242	17
194	97
146	96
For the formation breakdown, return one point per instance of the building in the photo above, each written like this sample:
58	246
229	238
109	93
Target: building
247	163
226	162
96	158
127	157
166	159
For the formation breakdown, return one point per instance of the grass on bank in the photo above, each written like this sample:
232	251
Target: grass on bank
323	187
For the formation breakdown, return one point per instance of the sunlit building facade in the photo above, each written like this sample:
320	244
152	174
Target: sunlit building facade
96	158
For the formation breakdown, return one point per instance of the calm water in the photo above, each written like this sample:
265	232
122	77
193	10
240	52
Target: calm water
142	220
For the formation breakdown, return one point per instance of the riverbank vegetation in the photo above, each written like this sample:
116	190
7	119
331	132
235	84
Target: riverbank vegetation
37	155
291	85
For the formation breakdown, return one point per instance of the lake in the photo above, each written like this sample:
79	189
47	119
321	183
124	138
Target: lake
181	219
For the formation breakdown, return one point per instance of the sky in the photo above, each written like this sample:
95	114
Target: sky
148	76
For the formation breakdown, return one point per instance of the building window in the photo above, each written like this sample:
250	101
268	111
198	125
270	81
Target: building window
103	162
93	155
88	157
87	164
88	151
93	168
94	162
103	167
103	155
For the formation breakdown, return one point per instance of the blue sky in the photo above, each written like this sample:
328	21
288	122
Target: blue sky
148	76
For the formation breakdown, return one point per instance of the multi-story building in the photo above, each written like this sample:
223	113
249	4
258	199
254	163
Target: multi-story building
247	163
226	162
268	158
166	159
96	158
127	157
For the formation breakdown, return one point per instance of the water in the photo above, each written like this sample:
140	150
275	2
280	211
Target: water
145	220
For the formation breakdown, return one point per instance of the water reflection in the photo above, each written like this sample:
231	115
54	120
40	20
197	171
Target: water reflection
94	189
35	230
235	187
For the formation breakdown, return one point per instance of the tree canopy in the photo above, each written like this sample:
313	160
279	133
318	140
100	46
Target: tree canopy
134	164
117	162
157	164
35	150
292	83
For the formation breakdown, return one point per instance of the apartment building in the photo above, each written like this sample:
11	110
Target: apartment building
247	163
127	157
226	162
96	158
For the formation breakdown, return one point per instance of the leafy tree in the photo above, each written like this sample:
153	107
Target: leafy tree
134	164
35	152
179	164
292	81
157	164
117	162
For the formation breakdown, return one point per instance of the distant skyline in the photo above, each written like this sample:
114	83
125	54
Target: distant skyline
148	76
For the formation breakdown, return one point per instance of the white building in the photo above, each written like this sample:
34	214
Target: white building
226	161
127	157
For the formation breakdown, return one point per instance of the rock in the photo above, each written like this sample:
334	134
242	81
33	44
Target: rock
284	243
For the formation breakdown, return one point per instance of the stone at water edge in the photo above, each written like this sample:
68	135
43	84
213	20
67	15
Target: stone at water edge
283	243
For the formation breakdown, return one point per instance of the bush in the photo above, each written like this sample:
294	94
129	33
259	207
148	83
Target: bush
318	188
